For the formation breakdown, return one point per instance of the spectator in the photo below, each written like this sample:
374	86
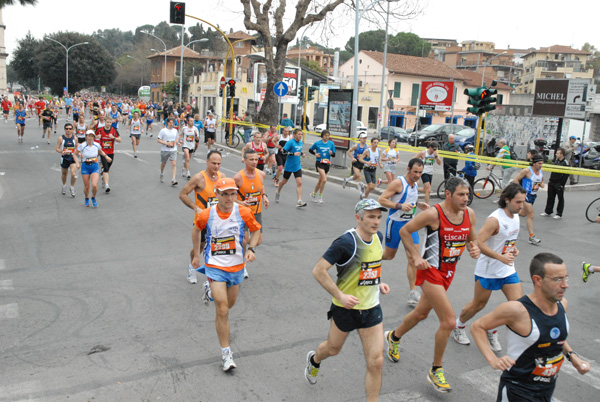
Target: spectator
470	169
507	171
286	121
556	187
569	146
449	163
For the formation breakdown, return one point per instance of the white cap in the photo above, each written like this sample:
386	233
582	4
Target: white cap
90	132
362	135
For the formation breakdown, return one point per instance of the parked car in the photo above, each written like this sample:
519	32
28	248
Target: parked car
465	136
389	132
360	127
435	132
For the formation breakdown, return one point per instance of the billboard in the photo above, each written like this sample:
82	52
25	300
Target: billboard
437	96
339	112
324	93
560	98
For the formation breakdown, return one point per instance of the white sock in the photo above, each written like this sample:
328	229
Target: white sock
225	351
459	324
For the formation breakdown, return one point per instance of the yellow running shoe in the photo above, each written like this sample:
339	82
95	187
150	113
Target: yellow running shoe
437	379
393	354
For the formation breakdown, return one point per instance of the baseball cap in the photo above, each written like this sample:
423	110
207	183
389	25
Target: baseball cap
90	132
362	135
368	204
572	137
226	184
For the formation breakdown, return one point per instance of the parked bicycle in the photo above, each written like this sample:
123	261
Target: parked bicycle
486	186
592	212
441	190
236	138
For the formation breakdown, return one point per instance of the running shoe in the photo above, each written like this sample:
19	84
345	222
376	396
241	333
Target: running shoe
183	172
72	191
301	204
345	182
135	155
192	278
207	295
150	135
362	190
557	217
64	189
460	336
313	197
174	182
438	380
379	182
544	214
228	363
162	178
87	202
494	342
413	297
534	240
189	176
320	199
310	372
102	180
246	276
275	182
107	189
585	267
393	354
94	202
277	197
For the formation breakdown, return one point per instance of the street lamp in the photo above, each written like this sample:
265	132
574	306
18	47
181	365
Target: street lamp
67	51
141	76
358	16
381	107
181	64
165	46
487	63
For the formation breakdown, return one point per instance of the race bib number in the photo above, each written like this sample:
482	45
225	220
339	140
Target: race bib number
211	126
211	202
509	246
189	138
409	214
222	245
428	161
107	144
370	273
535	186
252	198
545	372
453	250
69	150
326	161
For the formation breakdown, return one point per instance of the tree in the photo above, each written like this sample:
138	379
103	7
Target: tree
369	40
21	2
409	44
23	59
594	60
89	65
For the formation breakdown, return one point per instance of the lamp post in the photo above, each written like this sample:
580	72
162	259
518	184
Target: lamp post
67	51
381	107
165	46
358	16
142	76
487	63
181	64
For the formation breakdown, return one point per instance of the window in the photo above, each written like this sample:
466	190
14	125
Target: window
239	44
415	95
177	67
397	86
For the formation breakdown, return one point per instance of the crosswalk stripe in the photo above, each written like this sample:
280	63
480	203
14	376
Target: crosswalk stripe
7	284
404	396
9	311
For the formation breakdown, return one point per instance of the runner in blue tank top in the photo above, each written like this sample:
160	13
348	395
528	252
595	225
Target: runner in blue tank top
357	166
532	179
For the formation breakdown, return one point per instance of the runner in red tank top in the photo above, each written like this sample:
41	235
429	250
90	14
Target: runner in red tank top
260	147
450	229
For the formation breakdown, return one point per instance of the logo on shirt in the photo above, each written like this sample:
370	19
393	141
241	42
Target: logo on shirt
554	333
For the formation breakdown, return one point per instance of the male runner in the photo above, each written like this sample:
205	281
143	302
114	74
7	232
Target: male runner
357	166
271	138
260	147
150	120
190	136
224	256
537	336
370	161
107	136
47	118
168	152
80	129
292	165
401	196
136	126
6	105
20	116
203	185
40	105
532	179
355	295
210	127
281	155
65	146
429	156
450	229
324	150
495	268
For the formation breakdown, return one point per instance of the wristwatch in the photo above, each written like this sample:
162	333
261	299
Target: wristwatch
252	249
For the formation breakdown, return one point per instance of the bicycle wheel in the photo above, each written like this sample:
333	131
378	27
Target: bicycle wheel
441	190
593	210
235	140
483	188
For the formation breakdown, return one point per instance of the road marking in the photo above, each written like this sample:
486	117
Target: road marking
404	396
130	154
7	284
9	311
2	265
591	378
55	167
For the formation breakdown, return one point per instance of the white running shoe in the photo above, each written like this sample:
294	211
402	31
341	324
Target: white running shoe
460	336
207	294
64	189
192	278
246	273
494	342
228	363
162	178
362	190
301	204
345	182
544	214
72	191
320	199
313	197
413	297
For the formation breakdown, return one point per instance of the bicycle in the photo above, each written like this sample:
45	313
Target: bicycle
441	190
236	138
592	212
486	186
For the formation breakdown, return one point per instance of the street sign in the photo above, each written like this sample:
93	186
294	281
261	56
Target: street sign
390	103
281	88
437	95
560	98
591	93
290	77
222	82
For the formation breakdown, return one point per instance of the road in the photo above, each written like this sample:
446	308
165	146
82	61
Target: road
94	303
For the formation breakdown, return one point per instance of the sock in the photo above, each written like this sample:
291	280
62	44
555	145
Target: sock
394	337
492	331
320	194
591	269
459	323
531	235
225	351
433	368
312	361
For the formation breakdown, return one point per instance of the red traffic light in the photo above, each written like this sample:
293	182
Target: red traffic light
485	94
231	82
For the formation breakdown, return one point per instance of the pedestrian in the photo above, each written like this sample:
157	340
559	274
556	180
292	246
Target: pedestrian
505	154
224	256
556	187
355	295
569	147
429	157
286	122
168	151
532	179
450	163
293	166
537	336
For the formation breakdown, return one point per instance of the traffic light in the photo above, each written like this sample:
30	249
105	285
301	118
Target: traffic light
482	99
301	93
486	97
177	15
311	92
220	92
177	89
231	88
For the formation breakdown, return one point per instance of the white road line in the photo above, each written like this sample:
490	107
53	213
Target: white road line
9	311
591	378
7	284
2	265
404	396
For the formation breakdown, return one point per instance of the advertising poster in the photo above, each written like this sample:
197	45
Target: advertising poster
339	112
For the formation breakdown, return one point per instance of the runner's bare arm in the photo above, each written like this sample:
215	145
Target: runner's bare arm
322	276
472	244
196	182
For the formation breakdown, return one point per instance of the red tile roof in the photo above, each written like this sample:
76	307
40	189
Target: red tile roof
239	35
176	52
560	49
473	79
411	65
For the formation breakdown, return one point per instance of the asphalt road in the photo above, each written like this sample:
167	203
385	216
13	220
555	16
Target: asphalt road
94	303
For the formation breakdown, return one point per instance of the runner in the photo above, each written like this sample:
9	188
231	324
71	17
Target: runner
113	113
210	127
107	136
80	129
292	165
189	138
429	156
168	137
260	147
370	161
136	126
150	120
65	146
532	179
355	295
324	150
537	336
391	157
199	126
20	116
89	151
6	105
445	242
203	185
224	256
40	105
495	268
402	198
357	166
271	138
68	105
281	155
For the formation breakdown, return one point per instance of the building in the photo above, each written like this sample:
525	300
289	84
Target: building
553	62
311	53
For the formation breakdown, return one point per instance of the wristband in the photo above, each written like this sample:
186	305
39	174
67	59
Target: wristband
568	355
251	249
398	206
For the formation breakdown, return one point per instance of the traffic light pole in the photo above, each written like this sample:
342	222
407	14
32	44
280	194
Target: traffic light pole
478	138
304	113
